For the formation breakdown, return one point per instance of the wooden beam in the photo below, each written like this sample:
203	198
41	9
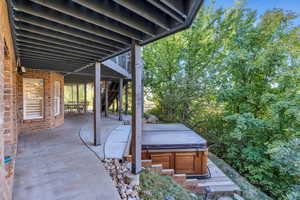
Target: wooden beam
77	96
52	50
177	5
85	102
68	21
126	99
99	20
147	11
119	14
77	93
75	73
60	41
58	47
68	30
113	106
45	43
67	38
58	54
97	106
167	10
117	102
120	99
142	90
106	98
72	93
39	59
137	118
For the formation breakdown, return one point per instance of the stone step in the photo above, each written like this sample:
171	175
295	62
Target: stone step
179	178
147	163
215	179
190	184
225	189
157	168
192	181
217	183
128	158
167	172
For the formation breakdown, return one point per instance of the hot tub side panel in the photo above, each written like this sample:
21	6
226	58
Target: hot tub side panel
189	162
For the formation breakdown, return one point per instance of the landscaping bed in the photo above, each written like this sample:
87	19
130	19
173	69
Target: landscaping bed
157	187
250	192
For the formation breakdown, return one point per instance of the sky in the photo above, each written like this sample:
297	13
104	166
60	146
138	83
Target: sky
262	5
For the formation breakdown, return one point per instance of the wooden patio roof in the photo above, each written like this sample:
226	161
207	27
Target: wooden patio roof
71	35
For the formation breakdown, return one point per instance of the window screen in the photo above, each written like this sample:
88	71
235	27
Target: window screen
33	98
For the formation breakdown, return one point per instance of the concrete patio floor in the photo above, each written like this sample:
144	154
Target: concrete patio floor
55	165
115	136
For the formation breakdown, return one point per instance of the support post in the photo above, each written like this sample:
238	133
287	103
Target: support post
72	93
120	99
136	70
126	98
106	99
77	98
117	104
77	93
85	102
113	106
97	105
142	90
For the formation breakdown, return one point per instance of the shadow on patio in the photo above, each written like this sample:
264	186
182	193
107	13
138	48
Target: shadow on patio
55	164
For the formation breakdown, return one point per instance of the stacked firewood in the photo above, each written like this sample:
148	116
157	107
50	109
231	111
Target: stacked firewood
122	178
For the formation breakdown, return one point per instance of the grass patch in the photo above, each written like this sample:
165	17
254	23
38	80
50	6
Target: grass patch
157	187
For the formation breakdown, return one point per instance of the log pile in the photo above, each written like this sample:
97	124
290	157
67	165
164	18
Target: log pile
122	178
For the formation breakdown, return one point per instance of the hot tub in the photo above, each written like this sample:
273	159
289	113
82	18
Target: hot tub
175	147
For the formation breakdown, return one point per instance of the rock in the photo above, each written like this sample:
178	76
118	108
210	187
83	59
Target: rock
132	179
169	198
152	119
225	198
193	195
237	197
125	182
147	192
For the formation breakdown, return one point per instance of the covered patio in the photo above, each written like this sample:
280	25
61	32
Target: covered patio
55	164
49	43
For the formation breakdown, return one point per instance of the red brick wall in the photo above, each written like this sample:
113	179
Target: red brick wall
11	116
2	168
8	112
49	120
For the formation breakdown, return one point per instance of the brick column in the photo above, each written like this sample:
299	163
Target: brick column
10	120
2	169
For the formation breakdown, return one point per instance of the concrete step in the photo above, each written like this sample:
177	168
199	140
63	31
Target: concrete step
167	172
225	189
179	178
147	163
191	181
217	183
157	168
190	184
214	179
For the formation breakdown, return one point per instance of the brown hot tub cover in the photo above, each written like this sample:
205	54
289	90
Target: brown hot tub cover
171	136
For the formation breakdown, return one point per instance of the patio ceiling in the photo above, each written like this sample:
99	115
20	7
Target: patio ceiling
70	35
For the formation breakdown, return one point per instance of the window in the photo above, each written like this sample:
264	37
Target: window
56	98
33	98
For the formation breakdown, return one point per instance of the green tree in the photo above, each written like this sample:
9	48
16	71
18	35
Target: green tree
235	79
